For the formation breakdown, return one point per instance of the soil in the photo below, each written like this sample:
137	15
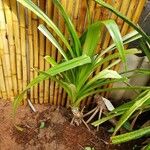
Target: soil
49	129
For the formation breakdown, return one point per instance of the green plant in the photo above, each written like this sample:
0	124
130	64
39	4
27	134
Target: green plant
80	61
145	40
130	110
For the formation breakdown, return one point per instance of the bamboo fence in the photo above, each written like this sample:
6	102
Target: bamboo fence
23	47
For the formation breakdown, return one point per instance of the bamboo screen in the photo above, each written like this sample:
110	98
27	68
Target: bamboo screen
22	46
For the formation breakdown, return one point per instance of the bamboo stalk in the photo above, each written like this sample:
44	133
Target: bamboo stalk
23	48
64	97
53	89
59	56
17	44
35	51
81	15
57	89
41	54
2	80
30	48
47	52
6	56
11	43
67	36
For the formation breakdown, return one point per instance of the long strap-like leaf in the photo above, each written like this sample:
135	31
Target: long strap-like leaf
130	136
112	9
50	37
90	45
50	73
109	89
131	110
31	6
70	27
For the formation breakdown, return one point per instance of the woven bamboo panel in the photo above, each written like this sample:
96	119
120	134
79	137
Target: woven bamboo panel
23	47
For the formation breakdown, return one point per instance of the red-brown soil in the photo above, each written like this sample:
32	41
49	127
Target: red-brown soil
57	133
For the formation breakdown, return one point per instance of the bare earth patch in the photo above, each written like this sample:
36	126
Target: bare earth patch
57	133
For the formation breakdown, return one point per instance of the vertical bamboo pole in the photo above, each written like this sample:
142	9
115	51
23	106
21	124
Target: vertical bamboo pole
138	11
81	16
41	54
58	57
47	52
47	92
61	24
65	98
23	47
2	80
53	92
75	12
31	53
6	57
17	44
11	43
35	51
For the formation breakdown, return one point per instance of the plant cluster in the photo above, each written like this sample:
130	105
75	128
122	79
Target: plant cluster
131	110
75	72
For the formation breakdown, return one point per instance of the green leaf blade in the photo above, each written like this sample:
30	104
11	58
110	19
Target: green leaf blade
35	9
130	136
131	110
70	27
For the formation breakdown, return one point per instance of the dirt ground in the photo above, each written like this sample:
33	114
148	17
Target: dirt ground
56	133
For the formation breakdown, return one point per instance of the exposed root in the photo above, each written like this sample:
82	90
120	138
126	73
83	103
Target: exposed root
78	117
98	109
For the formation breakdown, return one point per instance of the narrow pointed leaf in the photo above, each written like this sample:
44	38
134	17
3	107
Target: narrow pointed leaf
131	110
130	37
35	9
50	73
104	119
105	74
92	38
116	36
92	92
70	27
124	18
145	48
130	136
90	44
45	31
